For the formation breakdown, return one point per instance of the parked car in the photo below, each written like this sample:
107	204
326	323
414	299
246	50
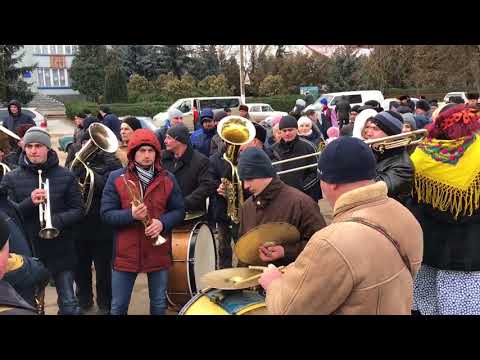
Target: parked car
385	104
186	107
39	119
461	94
354	98
259	112
147	123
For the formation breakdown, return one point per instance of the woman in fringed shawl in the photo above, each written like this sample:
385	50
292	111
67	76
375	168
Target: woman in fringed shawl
446	202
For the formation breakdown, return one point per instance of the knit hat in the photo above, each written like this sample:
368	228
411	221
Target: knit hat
389	122
355	108
260	132
180	133
206	113
174	113
422	105
133	123
304	120
253	163
346	160
287	122
333	132
37	135
300	102
243	107
408	118
323	101
4	232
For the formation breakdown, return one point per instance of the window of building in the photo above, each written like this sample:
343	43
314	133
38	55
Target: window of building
53	49
44	49
68	49
51	78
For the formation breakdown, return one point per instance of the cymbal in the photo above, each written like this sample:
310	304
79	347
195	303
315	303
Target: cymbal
193	215
231	279
278	233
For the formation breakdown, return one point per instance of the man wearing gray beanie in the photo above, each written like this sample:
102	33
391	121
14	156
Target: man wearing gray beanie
394	166
366	260
275	201
189	167
39	161
292	145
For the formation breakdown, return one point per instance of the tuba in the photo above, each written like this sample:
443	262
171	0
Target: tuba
235	131
101	138
5	136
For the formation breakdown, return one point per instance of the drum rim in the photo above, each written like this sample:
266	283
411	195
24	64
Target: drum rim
192	284
189	303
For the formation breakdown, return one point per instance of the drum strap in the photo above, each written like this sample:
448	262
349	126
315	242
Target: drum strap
233	301
384	232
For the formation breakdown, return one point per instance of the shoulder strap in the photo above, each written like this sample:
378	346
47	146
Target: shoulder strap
384	232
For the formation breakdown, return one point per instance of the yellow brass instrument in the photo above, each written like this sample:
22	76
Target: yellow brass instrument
101	138
379	145
5	136
394	141
137	199
47	231
235	131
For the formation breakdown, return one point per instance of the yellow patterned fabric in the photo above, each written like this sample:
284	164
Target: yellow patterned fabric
453	187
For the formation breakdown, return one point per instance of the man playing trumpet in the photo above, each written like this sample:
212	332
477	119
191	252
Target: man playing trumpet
135	248
66	205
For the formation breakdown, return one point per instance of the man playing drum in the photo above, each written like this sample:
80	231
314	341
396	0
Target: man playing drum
275	201
362	263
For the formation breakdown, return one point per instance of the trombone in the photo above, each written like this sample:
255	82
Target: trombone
47	231
379	145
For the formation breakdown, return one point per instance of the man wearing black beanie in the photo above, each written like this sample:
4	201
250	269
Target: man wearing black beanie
364	262
394	166
274	201
290	146
189	167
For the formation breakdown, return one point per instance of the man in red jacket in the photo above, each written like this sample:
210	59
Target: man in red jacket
134	249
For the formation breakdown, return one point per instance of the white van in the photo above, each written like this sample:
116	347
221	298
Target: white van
186	107
455	94
353	97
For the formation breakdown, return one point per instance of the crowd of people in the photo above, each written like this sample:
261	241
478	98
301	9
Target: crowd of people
402	240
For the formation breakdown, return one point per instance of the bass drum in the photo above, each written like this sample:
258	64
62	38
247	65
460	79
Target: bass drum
194	255
226	302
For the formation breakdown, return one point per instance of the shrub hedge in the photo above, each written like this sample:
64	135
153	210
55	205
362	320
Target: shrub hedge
135	109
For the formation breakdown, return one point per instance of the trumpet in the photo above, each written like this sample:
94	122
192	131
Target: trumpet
378	145
47	231
394	141
136	200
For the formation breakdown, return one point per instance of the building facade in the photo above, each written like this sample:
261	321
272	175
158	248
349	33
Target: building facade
52	75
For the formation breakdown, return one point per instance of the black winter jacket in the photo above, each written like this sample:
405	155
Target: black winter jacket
395	168
14	122
11	303
303	180
448	244
191	173
66	208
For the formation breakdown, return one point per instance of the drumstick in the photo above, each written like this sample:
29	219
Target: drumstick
256	276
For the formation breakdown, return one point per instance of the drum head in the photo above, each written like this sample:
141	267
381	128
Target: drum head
202	256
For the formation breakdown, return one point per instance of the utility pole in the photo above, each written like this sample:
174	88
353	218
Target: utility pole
242	76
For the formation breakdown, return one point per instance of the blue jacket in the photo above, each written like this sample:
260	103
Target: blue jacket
421	121
67	209
12	123
201	140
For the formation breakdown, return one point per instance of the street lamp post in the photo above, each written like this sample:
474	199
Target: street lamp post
242	76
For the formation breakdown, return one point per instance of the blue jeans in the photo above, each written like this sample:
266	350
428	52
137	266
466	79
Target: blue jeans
67	301
122	286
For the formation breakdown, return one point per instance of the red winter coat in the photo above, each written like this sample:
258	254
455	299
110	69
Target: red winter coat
134	252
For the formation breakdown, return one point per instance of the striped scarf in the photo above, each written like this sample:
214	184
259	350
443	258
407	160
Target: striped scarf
145	176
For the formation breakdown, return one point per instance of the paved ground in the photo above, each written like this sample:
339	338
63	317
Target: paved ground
139	304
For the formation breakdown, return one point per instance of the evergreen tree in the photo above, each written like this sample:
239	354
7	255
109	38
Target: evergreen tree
231	70
115	84
11	84
88	70
139	59
175	59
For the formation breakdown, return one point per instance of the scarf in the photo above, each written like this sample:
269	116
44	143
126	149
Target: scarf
145	175
447	174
